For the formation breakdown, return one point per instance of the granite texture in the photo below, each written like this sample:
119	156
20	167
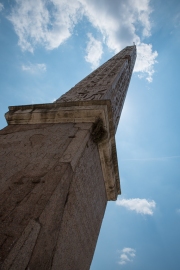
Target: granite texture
52	196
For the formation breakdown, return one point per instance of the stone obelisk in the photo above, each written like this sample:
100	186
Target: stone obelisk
58	169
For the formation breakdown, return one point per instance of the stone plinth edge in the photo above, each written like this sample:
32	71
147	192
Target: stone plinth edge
77	112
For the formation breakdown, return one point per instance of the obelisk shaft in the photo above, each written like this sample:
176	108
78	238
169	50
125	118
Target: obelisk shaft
58	169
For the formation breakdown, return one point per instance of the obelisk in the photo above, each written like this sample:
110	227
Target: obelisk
58	169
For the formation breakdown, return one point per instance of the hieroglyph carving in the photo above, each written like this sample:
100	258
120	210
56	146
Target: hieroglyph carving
110	81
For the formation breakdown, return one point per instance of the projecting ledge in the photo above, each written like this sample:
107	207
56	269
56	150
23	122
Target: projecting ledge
78	112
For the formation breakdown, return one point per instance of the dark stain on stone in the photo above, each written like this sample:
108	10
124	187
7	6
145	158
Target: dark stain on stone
18	182
66	199
36	180
98	131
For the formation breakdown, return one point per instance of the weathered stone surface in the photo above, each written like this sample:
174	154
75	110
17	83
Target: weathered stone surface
83	213
30	182
56	195
19	255
58	168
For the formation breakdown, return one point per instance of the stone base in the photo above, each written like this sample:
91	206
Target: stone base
52	196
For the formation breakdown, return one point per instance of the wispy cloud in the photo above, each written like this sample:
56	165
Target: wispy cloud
177	20
117	23
1	7
94	51
126	255
50	23
150	159
34	68
140	206
178	211
145	61
46	23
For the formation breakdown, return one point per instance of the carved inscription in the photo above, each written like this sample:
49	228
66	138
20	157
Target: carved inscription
110	81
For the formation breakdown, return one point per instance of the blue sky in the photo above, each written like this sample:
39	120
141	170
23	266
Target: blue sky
49	46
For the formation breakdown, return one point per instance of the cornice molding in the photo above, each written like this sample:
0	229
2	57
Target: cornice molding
77	112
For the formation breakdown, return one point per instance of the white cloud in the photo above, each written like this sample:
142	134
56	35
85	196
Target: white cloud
145	61
1	7
50	23
116	20
144	10
178	211
141	206
94	51
126	255
34	68
117	23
